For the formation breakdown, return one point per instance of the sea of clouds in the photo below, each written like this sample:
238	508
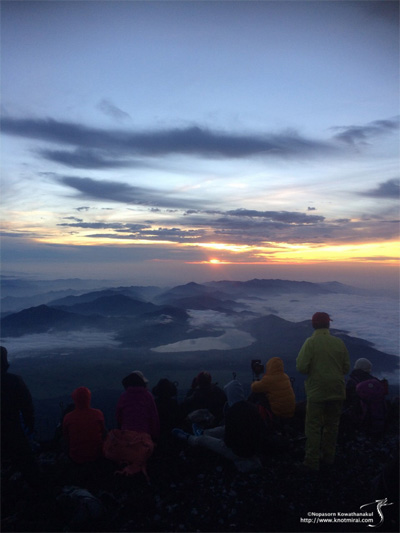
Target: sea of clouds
373	318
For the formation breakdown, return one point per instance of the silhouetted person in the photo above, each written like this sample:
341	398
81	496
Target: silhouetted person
365	398
17	411
242	436
136	408
361	372
165	393
325	359
84	429
276	386
205	395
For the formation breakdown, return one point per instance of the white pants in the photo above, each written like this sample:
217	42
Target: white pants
213	439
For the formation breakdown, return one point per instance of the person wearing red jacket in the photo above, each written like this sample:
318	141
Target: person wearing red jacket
84	429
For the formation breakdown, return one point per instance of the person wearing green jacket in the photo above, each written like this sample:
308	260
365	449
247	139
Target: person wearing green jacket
325	360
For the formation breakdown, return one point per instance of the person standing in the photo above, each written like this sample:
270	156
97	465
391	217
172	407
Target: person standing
17	412
325	360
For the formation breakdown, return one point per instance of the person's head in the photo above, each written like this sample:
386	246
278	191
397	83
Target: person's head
134	379
4	361
363	364
320	320
82	397
165	388
273	365
203	379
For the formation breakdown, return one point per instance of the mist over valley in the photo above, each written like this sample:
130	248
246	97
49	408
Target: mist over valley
96	337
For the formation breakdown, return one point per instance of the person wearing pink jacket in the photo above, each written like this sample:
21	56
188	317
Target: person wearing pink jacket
136	408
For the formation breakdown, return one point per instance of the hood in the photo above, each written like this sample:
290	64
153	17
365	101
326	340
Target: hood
81	397
274	366
139	390
234	392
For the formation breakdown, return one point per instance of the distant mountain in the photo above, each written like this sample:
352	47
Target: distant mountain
190	290
165	313
137	293
111	305
204	302
256	287
42	319
163	325
12	286
12	304
282	338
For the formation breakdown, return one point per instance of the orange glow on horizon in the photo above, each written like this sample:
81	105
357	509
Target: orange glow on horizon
243	254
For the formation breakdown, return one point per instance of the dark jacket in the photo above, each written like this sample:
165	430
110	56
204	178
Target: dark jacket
357	376
245	431
16	402
209	397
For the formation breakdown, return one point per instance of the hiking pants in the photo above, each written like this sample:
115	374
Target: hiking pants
213	440
321	429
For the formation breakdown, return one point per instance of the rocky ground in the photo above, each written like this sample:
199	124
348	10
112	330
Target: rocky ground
192	489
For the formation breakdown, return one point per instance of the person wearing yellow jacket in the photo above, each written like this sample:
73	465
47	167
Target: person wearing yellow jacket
276	385
325	359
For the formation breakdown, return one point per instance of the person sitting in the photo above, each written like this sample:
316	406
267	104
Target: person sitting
242	436
133	442
169	412
136	408
361	372
365	398
84	429
277	389
205	395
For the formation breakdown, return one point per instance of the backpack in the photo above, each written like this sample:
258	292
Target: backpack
129	448
371	394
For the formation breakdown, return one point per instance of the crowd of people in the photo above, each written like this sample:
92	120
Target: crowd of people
241	427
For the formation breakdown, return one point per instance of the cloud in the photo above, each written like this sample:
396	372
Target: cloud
105	225
109	109
82	158
93	144
96	148
288	217
362	134
387	189
122	192
175	235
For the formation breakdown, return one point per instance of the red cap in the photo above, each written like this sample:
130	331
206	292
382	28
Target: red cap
320	320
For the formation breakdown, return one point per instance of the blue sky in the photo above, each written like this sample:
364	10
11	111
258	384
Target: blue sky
177	141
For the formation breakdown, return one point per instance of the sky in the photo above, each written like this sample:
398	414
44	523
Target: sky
172	141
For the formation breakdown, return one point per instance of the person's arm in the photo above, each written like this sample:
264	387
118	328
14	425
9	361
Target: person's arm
25	405
154	419
303	360
259	386
346	360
